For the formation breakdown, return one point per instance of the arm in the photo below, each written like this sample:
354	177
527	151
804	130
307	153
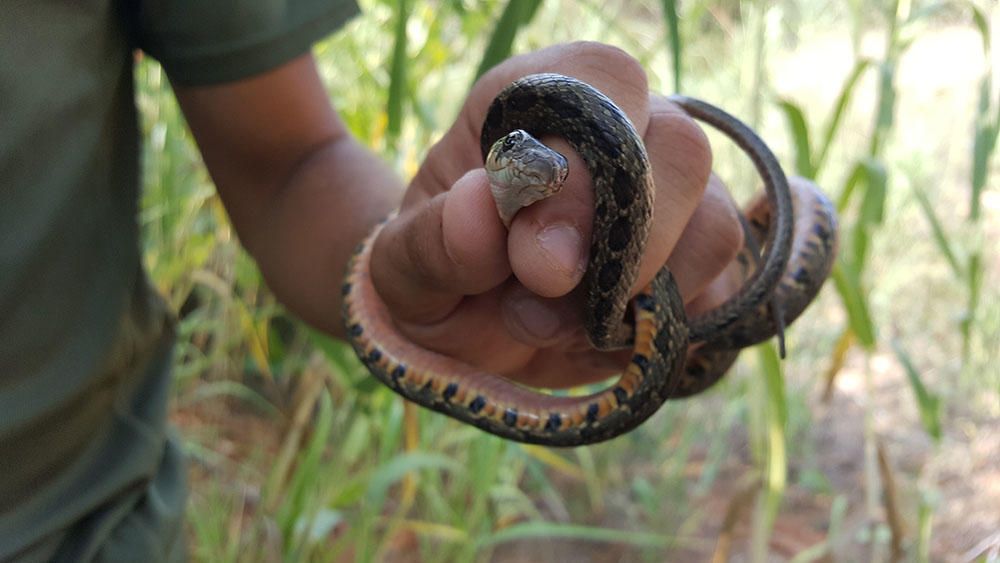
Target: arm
300	191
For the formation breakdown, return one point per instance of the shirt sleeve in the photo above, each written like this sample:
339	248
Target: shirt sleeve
203	42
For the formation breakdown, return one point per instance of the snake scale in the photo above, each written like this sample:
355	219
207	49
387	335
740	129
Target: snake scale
672	356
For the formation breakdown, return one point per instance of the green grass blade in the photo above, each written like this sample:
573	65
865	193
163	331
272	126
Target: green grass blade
929	404
397	73
876	180
673	39
885	113
872	174
974	285
518	13
817	551
234	389
940	237
770	365
857	174
982	22
549	530
987	127
799	131
775	467
837	117
398	467
849	288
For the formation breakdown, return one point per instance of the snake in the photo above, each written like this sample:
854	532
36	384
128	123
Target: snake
790	243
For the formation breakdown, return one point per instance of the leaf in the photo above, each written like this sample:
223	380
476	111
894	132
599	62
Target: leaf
550	530
974	284
400	466
940	237
849	288
799	132
984	143
554	461
234	389
876	180
777	421
929	404
982	22
884	118
846	91
517	14
872	175
673	39
397	73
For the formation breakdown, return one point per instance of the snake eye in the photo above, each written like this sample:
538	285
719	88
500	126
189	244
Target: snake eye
510	140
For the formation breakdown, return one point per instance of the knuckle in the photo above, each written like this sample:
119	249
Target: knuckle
603	54
678	142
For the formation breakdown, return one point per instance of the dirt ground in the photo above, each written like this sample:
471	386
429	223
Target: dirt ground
962	475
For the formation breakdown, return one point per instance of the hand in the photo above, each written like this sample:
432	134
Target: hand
444	265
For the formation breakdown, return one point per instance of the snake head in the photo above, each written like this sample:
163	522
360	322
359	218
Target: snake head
522	171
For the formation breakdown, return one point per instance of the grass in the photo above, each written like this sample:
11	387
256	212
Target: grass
298	455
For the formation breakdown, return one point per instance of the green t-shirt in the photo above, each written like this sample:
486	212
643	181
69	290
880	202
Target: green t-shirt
84	344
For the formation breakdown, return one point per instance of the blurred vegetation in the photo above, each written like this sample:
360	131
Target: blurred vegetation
297	454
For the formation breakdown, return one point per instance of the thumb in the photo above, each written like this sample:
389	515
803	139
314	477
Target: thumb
436	252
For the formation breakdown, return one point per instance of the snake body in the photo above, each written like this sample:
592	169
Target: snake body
657	331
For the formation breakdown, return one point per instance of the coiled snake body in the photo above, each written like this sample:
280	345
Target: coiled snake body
797	232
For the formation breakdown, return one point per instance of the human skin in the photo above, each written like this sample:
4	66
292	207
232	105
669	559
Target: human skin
301	193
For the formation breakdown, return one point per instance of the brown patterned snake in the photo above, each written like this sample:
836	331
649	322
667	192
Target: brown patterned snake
797	231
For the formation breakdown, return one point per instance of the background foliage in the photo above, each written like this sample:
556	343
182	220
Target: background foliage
879	437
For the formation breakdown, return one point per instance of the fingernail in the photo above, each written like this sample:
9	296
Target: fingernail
564	245
536	318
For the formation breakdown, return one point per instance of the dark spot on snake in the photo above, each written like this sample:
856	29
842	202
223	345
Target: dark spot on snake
609	275
522	100
601	210
345	289
620	394
562	107
355	330
623	188
641	362
696	369
477	404
802	275
510	417
820	231
375	355
619	235
607	141
592	411
662	342
554	422
645	302
398	372
450	391
602	310
812	246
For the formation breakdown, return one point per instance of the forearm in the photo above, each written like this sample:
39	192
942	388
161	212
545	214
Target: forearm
299	189
303	236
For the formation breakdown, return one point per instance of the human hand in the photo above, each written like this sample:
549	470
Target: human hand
443	266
